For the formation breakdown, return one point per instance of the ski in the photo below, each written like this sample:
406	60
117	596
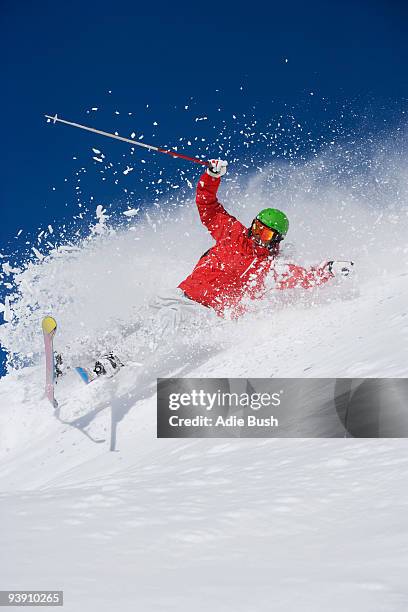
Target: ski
85	374
49	327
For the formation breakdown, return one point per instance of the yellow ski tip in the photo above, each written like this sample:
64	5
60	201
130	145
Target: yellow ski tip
49	325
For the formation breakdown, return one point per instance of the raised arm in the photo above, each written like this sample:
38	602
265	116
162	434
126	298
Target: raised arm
212	214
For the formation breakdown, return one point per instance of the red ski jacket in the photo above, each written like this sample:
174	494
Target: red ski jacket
235	268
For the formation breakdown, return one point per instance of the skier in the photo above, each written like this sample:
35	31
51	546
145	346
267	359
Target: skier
234	270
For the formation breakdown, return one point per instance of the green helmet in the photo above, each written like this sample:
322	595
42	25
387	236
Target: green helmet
275	219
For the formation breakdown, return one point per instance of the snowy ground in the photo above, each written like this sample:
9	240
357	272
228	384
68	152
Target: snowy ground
243	525
203	524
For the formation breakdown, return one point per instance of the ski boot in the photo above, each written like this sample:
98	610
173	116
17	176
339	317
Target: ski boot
107	365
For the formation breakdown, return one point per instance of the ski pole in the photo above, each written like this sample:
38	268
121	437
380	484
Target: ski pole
55	118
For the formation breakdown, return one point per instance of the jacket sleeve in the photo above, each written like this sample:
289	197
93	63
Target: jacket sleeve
293	276
212	214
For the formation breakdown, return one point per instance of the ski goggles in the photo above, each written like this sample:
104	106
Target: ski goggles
265	233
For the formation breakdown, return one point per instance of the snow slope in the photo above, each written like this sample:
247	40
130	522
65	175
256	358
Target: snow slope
198	524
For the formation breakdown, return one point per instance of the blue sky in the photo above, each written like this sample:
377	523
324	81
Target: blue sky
67	57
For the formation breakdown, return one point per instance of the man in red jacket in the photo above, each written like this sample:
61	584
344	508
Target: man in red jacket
233	271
